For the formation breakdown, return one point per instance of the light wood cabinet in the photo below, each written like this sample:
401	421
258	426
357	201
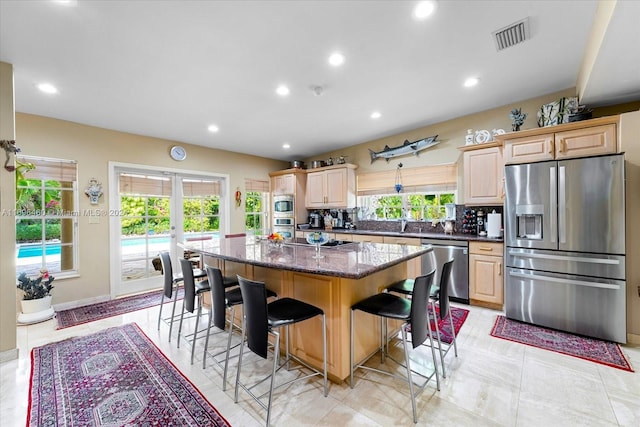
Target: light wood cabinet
414	265
486	281
577	139
367	238
283	184
483	175
332	187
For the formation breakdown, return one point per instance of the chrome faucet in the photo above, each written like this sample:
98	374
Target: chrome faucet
403	224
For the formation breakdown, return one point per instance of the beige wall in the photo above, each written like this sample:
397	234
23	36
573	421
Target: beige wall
93	148
630	144
451	133
8	348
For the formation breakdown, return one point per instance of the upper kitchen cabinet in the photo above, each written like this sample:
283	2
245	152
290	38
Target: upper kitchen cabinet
291	181
576	139
331	187
483	174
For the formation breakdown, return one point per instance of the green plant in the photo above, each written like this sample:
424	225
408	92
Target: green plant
35	288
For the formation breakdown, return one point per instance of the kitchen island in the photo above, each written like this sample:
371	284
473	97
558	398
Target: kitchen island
343	275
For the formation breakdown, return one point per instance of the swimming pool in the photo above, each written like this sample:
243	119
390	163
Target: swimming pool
34	250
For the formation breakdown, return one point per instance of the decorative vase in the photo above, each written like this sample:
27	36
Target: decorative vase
36	310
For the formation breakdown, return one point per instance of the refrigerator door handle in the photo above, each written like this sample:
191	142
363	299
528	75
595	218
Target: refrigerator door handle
566	258
563	280
552	203
562	205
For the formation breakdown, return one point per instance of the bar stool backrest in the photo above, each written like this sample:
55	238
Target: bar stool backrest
167	272
256	324
189	285
419	314
445	279
218	303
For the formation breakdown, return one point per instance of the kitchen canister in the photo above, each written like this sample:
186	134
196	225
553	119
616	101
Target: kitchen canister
494	224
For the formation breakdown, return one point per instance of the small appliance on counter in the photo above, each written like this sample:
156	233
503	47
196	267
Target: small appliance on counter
315	220
480	223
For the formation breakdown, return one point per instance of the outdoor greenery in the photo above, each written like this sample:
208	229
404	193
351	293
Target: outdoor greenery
420	206
255	216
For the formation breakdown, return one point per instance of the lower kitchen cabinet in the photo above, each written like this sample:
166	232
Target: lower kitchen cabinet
486	281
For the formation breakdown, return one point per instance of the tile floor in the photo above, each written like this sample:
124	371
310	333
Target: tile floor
493	382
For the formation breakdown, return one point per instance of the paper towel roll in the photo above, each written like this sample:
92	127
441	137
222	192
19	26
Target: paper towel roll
494	222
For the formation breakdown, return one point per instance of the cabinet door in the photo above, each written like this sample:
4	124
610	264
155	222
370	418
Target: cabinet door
528	149
367	238
483	176
485	279
336	187
285	184
586	142
315	197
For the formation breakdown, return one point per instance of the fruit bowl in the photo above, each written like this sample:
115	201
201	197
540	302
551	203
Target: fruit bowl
317	238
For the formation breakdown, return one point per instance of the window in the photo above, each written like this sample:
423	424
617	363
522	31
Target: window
46	215
420	206
256	206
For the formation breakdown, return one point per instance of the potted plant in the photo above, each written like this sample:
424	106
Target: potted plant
36	301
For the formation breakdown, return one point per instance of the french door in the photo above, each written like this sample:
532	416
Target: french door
154	211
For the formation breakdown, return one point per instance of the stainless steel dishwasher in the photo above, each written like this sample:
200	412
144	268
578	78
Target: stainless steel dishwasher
443	251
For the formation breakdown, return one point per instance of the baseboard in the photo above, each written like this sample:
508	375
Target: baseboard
633	339
8	355
80	303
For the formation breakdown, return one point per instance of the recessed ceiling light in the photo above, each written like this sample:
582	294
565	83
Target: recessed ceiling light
67	2
376	115
282	90
424	9
336	59
286	146
213	128
471	81
47	88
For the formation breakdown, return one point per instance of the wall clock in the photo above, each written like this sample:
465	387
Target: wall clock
178	153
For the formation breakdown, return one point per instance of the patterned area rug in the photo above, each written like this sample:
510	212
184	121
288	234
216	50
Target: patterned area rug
459	316
594	350
102	310
115	377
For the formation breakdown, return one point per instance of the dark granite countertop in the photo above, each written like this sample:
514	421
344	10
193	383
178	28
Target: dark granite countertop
421	235
353	260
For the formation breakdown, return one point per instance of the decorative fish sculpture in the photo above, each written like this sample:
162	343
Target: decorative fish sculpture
402	150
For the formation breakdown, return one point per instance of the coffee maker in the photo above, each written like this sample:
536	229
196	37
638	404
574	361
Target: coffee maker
315	220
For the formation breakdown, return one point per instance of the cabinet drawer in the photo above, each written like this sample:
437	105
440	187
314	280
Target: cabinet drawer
486	248
368	238
402	241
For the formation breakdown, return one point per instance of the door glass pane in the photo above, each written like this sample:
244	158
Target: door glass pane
144	225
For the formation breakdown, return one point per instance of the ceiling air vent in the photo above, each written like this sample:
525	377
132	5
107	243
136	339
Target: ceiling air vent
512	35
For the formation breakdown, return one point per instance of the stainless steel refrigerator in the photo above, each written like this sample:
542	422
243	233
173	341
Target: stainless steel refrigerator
565	238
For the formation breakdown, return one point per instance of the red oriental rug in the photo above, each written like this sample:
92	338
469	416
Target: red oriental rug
459	316
115	377
592	349
115	307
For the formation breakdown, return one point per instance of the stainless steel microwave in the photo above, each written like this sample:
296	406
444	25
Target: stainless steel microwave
283	205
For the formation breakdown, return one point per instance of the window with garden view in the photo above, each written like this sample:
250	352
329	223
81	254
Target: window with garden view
416	206
46	215
256	207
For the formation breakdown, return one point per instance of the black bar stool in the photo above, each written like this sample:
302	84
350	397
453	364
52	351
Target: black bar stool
171	284
413	312
222	300
440	295
262	319
192	290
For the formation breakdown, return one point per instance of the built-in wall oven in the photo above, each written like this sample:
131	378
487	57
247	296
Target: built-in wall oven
283	206
284	221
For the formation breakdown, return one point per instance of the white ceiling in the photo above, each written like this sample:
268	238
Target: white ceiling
169	69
